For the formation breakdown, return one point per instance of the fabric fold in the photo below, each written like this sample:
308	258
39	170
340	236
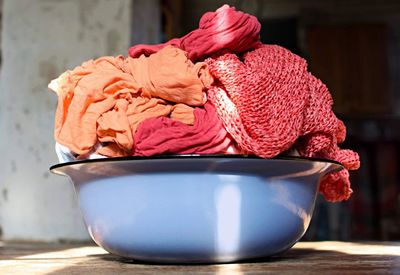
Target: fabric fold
168	74
226	29
163	135
104	100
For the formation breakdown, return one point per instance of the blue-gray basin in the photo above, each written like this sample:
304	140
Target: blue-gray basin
193	208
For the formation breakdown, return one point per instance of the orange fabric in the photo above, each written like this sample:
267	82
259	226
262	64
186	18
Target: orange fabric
83	96
155	72
104	100
183	113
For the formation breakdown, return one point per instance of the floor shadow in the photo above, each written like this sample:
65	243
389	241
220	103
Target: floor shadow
291	254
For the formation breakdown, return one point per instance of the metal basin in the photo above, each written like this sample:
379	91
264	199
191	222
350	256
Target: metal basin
196	209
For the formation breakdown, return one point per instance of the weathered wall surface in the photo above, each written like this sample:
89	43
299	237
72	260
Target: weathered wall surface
40	40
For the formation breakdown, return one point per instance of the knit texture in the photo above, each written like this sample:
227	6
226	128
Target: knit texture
270	102
223	30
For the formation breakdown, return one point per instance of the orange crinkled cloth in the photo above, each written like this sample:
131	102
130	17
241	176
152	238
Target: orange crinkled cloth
104	100
270	103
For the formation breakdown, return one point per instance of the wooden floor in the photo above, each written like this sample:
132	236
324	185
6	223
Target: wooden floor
304	258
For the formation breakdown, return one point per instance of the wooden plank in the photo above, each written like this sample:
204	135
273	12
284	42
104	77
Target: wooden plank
305	257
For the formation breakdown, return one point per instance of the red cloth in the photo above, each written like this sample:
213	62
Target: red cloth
224	29
269	101
163	135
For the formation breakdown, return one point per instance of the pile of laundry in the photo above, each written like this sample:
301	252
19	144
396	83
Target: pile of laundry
216	90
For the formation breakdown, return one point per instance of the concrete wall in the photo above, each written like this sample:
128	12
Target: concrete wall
40	40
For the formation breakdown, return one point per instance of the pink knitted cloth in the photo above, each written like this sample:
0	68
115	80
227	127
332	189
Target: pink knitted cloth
270	102
163	135
224	29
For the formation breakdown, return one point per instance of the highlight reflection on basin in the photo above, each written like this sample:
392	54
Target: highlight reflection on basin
196	208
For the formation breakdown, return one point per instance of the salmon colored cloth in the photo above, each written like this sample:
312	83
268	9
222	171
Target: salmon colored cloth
223	30
182	112
103	100
163	135
168	74
270	102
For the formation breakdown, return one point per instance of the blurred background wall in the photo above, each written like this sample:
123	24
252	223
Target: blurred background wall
353	46
40	40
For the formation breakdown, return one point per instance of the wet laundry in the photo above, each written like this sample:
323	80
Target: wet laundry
245	98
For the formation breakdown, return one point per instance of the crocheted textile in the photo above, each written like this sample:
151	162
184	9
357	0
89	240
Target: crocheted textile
270	102
224	29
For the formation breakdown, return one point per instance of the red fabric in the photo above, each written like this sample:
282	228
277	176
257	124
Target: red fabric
224	29
163	135
270	100
336	186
